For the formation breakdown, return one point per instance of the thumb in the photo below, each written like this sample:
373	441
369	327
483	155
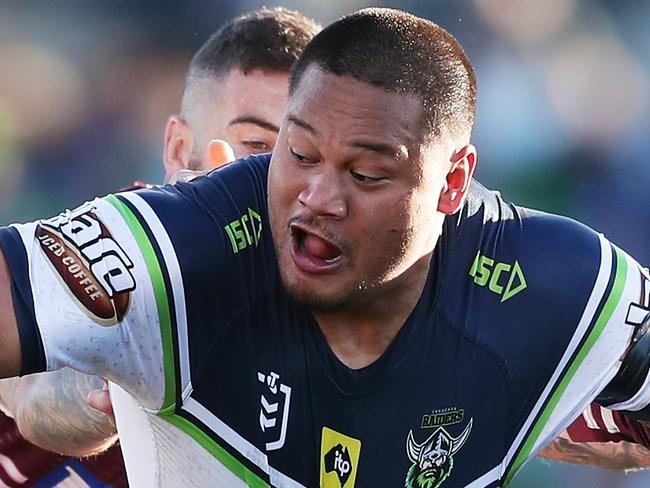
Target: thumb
101	401
219	153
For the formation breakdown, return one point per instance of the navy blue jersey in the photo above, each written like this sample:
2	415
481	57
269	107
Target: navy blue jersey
174	293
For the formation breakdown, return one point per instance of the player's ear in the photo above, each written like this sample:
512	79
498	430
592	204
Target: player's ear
463	164
219	153
177	145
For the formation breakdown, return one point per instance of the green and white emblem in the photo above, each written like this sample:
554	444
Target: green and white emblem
433	460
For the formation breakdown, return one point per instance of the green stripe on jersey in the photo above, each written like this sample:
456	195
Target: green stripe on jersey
223	456
606	313
162	298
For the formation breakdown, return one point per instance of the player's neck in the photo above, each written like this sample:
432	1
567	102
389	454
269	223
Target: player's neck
359	337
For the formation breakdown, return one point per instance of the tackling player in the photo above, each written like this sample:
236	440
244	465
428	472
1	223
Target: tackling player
236	90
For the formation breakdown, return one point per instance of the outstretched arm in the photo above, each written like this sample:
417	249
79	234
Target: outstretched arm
51	411
83	296
611	455
604	438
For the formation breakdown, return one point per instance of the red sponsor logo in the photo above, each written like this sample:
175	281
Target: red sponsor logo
94	269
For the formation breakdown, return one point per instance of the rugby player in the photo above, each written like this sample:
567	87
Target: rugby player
368	159
235	91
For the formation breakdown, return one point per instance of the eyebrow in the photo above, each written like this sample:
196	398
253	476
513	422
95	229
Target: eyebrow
249	119
303	124
400	152
394	152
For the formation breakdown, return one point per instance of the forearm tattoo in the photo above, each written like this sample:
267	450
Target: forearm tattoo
51	411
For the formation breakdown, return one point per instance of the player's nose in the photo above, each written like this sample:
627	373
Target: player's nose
324	195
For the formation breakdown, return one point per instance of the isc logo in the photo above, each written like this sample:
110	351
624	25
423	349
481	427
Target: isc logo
506	280
244	231
88	261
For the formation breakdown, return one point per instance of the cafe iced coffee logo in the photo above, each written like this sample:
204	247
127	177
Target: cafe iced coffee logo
93	267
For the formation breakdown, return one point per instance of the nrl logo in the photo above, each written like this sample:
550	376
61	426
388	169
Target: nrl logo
433	460
275	404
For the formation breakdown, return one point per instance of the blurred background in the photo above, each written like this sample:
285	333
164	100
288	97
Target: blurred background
563	113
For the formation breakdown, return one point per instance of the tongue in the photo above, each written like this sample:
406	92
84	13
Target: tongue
319	248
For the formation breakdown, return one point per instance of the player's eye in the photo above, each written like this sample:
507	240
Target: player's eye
363	178
257	146
299	157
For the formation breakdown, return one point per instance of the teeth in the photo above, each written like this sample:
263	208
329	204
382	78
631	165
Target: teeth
333	260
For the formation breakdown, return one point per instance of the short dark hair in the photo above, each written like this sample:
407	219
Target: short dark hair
266	39
402	53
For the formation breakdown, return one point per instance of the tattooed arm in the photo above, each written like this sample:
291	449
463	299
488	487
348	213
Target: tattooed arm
51	411
612	455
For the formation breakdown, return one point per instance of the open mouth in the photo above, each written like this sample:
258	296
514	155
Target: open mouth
312	252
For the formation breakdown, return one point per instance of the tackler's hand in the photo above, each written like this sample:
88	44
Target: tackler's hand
219	154
100	400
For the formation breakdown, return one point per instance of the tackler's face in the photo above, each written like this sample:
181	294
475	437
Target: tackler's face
250	110
352	205
243	109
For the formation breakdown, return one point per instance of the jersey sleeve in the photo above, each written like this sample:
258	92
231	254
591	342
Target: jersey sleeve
110	287
605	288
84	297
599	424
557	304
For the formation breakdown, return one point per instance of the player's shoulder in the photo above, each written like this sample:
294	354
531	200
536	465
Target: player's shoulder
488	215
244	174
518	281
238	184
215	224
524	255
226	205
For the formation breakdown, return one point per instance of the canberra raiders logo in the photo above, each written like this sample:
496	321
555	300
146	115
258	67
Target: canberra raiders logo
433	460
